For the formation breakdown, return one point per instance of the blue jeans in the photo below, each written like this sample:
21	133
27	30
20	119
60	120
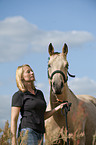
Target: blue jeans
31	137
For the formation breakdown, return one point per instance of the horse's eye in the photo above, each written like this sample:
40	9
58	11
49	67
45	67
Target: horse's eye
67	65
49	65
48	58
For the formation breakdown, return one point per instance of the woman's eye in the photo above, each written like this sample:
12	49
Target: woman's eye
28	71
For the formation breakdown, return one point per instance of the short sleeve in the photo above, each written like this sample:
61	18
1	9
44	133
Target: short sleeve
17	99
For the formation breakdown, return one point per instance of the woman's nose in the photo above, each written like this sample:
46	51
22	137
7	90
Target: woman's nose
31	72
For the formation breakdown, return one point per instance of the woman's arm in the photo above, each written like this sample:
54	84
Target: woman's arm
51	112
14	118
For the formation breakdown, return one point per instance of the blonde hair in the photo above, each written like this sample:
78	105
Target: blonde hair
19	78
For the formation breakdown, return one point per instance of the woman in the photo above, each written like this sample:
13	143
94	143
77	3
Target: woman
30	102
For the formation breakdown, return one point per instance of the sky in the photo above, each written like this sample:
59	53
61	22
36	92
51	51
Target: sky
26	29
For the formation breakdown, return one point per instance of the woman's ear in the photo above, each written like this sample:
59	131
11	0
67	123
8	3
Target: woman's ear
65	49
51	49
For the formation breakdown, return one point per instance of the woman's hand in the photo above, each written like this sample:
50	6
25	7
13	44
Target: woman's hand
60	106
51	112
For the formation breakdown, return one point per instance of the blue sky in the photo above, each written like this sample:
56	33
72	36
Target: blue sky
26	29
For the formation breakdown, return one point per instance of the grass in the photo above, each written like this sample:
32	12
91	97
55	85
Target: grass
6	136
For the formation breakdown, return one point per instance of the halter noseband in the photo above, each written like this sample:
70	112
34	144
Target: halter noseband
58	71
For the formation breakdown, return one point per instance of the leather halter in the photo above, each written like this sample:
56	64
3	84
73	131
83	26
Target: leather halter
59	71
65	80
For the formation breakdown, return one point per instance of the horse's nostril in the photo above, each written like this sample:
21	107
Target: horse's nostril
53	84
62	85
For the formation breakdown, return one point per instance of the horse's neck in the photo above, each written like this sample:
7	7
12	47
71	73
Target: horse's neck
67	95
70	96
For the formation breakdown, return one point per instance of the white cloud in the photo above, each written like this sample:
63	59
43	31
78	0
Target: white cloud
40	85
18	36
83	86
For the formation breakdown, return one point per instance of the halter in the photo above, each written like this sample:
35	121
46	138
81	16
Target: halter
59	71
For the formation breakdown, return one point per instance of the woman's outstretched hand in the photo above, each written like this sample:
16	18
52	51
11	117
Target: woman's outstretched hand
61	106
51	112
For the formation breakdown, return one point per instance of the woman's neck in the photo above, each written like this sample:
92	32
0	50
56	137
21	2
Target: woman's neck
30	87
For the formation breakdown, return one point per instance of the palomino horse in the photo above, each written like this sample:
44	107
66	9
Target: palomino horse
81	118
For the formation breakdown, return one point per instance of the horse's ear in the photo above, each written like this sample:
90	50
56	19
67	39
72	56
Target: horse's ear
65	49
51	49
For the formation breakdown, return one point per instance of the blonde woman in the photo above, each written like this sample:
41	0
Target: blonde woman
30	102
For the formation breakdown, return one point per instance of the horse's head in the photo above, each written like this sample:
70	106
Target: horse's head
57	69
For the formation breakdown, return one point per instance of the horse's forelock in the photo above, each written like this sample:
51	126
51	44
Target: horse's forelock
56	53
58	56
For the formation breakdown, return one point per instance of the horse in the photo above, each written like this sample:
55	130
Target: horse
81	116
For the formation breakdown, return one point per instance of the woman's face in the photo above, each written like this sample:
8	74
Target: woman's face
28	74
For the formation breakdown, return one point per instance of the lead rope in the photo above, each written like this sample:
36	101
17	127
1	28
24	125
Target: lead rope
66	108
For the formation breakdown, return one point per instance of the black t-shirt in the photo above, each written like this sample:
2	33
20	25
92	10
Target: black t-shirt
32	109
